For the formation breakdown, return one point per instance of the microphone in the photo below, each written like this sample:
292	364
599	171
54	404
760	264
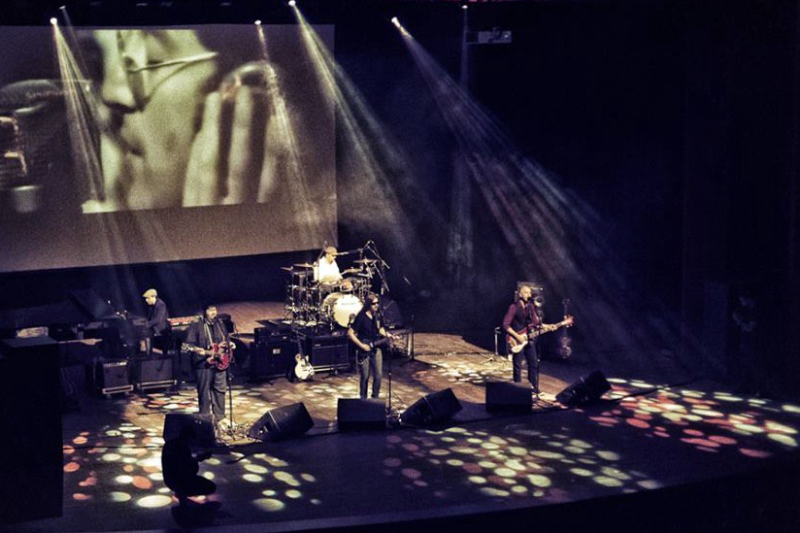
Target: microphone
31	115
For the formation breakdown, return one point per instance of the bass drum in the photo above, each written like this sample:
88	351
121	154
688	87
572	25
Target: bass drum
338	308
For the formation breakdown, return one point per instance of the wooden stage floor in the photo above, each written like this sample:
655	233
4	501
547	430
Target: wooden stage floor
651	455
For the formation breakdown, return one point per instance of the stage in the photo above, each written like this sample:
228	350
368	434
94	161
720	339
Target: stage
652	454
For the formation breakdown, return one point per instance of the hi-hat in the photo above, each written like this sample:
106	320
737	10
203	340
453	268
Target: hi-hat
303	265
287	269
351	271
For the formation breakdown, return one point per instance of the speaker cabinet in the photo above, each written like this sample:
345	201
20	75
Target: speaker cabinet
354	414
272	357
505	396
586	390
111	377
154	373
32	458
287	421
328	351
204	428
433	408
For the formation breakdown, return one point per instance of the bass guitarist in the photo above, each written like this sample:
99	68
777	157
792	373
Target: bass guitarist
520	322
367	333
212	351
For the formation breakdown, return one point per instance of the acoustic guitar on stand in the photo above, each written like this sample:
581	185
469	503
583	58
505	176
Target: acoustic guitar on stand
531	333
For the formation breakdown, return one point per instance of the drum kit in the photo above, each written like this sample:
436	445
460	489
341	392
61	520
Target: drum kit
311	304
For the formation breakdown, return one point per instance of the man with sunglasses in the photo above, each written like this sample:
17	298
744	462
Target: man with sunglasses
367	334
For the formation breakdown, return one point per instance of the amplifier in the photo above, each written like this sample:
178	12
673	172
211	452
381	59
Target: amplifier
272	331
154	373
272	357
328	351
111	377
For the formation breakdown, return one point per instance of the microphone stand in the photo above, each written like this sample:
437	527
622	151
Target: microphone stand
382	268
229	380
391	419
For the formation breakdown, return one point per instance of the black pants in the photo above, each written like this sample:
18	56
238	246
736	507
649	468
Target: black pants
530	355
370	364
211	387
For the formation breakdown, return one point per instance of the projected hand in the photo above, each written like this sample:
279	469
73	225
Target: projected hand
235	155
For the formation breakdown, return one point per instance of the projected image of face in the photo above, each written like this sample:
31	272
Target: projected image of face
180	130
144	138
152	91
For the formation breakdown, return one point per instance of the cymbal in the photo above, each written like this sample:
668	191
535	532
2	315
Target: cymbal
303	265
287	269
351	271
365	261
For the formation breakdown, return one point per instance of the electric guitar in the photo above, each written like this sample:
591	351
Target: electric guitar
373	346
303	370
531	333
221	353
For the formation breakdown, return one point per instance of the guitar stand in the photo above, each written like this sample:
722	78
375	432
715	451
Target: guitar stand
495	357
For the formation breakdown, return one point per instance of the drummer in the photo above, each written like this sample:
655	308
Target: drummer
326	270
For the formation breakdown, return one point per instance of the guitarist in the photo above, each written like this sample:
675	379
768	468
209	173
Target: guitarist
521	319
207	334
367	333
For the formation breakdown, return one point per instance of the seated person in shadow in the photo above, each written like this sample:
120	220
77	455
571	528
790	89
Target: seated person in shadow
180	467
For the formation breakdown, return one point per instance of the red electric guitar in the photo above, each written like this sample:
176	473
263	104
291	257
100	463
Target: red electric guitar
221	354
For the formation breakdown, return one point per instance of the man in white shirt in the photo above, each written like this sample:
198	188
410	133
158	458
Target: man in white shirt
327	271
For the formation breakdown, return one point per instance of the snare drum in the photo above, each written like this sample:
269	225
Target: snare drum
338	308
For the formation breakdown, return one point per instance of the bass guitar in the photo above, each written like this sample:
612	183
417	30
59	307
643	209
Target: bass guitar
373	346
220	354
515	346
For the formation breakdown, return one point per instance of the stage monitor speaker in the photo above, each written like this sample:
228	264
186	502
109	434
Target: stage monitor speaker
32	461
355	413
586	390
204	428
505	396
433	408
288	421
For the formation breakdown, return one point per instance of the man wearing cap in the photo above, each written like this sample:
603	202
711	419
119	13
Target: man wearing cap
156	321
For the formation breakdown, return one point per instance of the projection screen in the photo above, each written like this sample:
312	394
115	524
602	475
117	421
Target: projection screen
153	144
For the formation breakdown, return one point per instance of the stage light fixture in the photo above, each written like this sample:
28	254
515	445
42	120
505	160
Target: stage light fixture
258	23
292	3
464	7
396	22
54	21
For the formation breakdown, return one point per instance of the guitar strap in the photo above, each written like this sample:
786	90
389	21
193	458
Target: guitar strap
209	338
